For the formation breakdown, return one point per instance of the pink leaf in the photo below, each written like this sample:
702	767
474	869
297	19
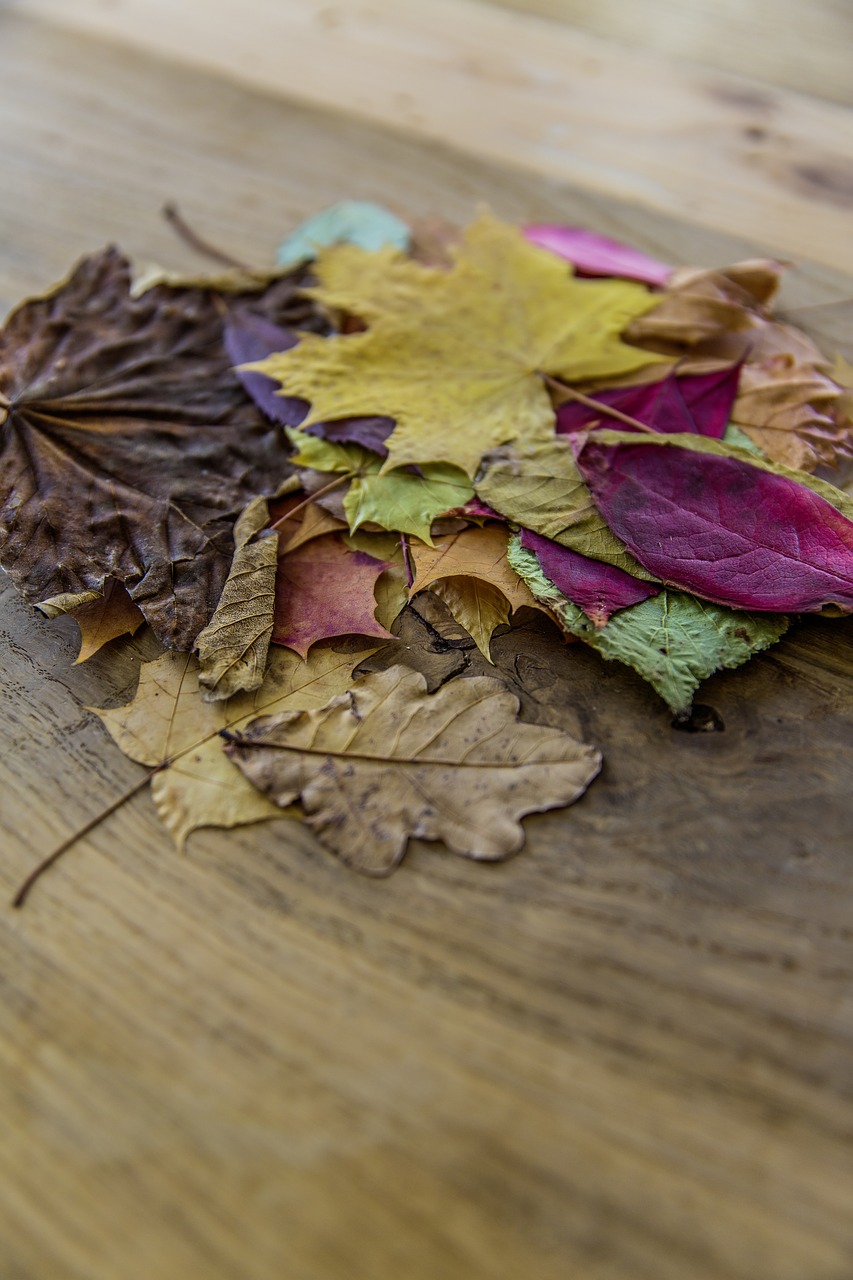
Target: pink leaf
699	405
721	528
599	589
595	255
323	590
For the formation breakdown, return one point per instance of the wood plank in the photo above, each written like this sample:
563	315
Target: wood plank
783	42
718	150
624	1055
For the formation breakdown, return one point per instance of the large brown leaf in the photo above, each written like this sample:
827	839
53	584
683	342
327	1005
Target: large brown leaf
127	445
387	760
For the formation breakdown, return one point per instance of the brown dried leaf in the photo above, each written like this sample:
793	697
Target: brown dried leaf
167	721
700	304
127	445
787	402
387	761
232	648
112	615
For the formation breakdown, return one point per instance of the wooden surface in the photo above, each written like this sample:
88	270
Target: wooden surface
782	42
717	149
624	1055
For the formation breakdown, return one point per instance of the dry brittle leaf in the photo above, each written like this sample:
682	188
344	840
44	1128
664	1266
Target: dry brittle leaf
387	761
787	402
232	648
169	724
128	447
109	616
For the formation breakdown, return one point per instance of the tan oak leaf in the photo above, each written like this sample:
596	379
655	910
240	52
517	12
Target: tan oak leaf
387	761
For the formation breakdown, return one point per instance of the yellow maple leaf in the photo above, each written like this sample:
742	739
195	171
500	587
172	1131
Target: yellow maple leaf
458	358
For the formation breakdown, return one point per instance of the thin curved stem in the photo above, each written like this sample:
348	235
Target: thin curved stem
183	229
598	405
46	863
300	506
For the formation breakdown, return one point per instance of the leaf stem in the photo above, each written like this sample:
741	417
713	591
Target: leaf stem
46	863
300	506
599	406
404	547
186	233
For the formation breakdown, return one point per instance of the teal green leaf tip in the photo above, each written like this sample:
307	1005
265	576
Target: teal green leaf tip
349	222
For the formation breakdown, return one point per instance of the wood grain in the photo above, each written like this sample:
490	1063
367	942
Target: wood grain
716	149
783	42
624	1055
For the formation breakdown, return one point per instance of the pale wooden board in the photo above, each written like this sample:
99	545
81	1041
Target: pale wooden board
624	1055
718	150
784	42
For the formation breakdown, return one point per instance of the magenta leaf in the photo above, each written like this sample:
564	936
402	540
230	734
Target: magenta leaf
721	528
595	255
249	338
697	405
599	589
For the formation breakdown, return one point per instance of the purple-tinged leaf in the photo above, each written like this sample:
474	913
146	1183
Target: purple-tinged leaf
595	255
600	590
249	338
370	433
697	405
723	529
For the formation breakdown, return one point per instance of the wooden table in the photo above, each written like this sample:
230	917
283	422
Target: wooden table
624	1055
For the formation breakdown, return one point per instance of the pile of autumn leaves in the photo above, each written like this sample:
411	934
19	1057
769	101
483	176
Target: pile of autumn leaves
268	468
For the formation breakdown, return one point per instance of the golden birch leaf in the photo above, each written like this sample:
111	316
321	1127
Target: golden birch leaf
387	760
457	358
477	606
470	573
232	649
168	723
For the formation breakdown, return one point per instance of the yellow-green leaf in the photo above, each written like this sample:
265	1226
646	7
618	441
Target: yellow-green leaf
457	358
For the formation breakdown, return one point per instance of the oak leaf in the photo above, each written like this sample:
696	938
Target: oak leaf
457	358
127	445
169	726
387	761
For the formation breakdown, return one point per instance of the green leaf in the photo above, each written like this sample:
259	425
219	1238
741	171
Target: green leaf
541	488
673	640
356	222
403	501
